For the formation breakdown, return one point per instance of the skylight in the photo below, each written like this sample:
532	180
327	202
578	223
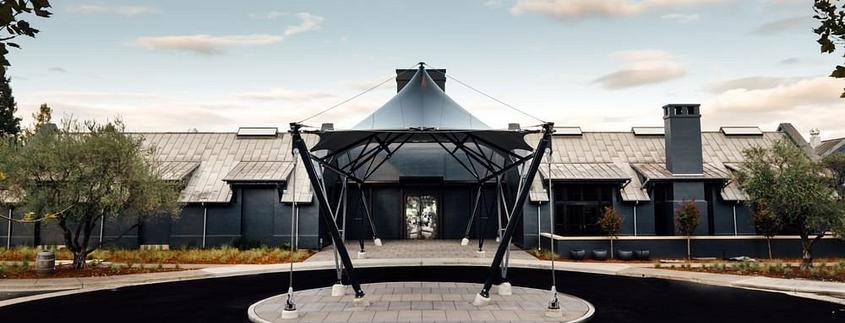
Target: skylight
257	131
568	131
741	131
648	131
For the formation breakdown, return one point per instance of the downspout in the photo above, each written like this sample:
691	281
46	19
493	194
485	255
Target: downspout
636	203
9	231
539	229
204	223
102	225
736	232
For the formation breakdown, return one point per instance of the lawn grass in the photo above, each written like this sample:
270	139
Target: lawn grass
222	255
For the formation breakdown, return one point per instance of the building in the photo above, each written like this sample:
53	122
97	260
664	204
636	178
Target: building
241	188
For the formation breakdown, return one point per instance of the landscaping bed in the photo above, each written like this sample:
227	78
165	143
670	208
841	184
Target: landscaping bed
822	271
223	255
26	271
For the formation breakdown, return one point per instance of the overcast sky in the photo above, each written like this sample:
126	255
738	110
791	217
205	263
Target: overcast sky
599	64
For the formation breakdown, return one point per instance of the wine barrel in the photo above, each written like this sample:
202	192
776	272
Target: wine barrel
45	263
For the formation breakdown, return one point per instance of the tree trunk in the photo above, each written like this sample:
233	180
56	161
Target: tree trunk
689	250
769	243
79	259
806	258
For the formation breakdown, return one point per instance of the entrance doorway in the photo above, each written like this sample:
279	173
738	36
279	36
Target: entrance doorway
421	221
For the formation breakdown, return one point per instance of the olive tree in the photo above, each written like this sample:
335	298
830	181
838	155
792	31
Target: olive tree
687	218
611	223
767	223
82	172
795	189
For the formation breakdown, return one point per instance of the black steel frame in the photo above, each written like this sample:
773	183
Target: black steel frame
373	145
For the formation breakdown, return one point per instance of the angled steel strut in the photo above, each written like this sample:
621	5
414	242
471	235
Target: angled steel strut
516	211
299	144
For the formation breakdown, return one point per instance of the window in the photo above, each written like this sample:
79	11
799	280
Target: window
578	207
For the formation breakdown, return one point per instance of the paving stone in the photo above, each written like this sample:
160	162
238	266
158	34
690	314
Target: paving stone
405	307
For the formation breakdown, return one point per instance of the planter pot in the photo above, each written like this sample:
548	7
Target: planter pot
577	254
642	254
624	254
599	254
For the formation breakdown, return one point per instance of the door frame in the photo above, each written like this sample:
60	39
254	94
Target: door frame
417	190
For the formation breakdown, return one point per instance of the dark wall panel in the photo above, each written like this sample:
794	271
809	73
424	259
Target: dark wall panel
155	230
387	212
186	229
456	206
258	213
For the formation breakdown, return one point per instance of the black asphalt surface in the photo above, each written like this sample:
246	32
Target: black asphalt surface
617	299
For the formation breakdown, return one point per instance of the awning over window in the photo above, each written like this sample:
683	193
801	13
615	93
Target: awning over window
584	172
176	170
259	172
658	172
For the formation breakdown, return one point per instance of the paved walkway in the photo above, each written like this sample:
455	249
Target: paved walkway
418	253
416	249
421	302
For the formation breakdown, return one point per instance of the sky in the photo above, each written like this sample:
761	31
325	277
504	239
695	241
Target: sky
598	64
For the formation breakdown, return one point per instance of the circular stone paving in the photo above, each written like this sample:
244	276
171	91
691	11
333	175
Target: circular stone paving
421	302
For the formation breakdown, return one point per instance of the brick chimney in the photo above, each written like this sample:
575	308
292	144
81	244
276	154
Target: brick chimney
682	123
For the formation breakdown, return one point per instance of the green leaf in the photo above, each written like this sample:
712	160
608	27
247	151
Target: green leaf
839	72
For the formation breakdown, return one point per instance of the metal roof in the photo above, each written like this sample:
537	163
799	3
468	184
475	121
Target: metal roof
259	172
216	154
176	170
658	172
584	171
830	146
623	149
421	104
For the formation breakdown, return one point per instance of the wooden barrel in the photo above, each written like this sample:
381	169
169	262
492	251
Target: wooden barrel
45	263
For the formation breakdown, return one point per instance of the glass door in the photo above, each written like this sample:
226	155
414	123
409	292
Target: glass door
420	216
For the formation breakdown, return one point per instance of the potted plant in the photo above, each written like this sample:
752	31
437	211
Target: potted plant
611	223
599	254
686	217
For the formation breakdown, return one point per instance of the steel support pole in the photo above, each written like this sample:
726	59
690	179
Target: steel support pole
548	129
9	231
299	144
472	216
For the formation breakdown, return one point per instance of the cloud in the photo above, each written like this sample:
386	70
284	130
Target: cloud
808	103
205	44
642	67
780	96
750	83
282	94
681	18
209	45
269	15
101	10
309	23
495	4
580	9
783	25
56	69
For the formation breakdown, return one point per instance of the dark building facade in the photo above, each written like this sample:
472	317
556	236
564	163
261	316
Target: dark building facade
246	188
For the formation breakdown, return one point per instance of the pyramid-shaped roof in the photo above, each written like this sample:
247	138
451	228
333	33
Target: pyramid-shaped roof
421	104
